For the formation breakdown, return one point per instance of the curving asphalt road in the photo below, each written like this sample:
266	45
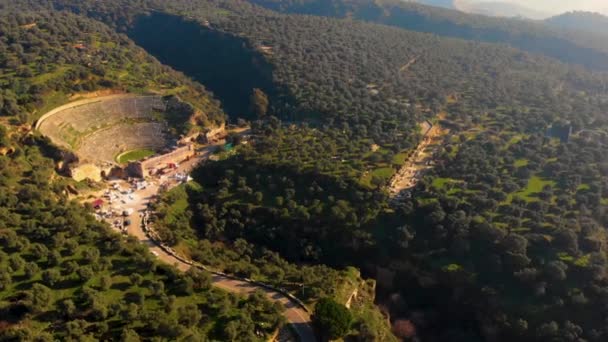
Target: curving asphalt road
296	316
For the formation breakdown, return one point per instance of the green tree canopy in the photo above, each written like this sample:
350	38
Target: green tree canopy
259	103
331	318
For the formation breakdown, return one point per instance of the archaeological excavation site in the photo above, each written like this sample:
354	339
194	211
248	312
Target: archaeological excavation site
115	136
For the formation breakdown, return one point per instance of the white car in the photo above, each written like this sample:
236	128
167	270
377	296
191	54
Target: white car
155	253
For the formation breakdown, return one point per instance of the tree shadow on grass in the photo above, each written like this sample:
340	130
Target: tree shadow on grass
132	297
48	316
122	286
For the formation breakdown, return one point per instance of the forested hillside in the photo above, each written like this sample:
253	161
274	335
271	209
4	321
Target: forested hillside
503	240
48	58
334	220
499	9
581	21
377	80
569	47
63	275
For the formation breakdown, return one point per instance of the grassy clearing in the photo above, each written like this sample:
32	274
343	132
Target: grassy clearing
442	183
583	187
535	185
454	152
400	158
521	162
134	155
472	133
384	173
366	180
177	209
44	78
514	140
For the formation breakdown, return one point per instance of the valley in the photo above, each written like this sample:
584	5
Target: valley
201	52
341	170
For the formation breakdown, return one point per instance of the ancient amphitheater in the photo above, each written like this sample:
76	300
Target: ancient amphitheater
97	130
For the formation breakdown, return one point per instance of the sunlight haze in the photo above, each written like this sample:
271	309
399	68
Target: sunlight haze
559	6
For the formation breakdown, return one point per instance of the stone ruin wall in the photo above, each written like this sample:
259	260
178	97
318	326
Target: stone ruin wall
209	136
213	134
96	168
90	171
143	168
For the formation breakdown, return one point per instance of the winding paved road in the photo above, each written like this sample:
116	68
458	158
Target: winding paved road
297	317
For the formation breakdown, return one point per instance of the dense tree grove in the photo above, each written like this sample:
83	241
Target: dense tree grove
63	275
303	215
504	240
371	77
467	245
515	222
559	38
257	261
379	81
501	227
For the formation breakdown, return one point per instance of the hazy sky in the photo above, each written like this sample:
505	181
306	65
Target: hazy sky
560	6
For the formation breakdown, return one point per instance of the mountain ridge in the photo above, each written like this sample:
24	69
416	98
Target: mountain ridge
499	9
592	22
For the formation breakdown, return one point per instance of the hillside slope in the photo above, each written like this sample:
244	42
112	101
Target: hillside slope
567	46
492	203
530	36
498	9
438	3
502	238
581	21
63	274
47	61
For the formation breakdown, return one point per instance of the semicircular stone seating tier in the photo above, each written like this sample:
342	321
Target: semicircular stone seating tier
104	145
103	128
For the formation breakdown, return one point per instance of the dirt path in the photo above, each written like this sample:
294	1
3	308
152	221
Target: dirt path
297	317
408	64
420	161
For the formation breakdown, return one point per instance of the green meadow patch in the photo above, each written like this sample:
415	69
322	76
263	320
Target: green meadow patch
528	194
521	162
583	187
400	158
134	155
442	183
384	173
